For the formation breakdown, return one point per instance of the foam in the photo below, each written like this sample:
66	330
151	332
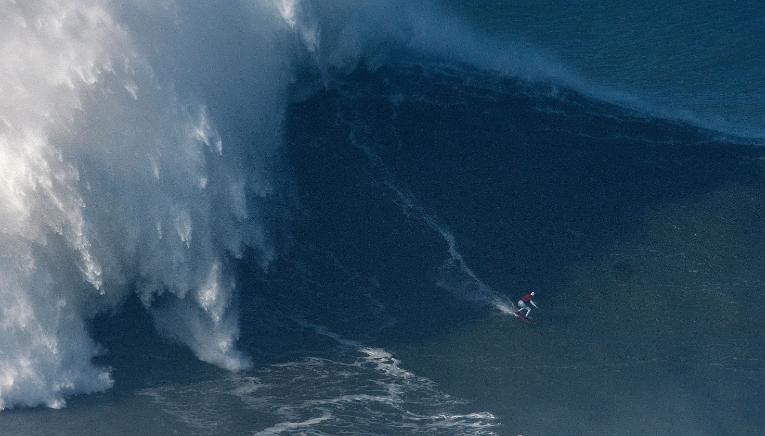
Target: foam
455	275
123	172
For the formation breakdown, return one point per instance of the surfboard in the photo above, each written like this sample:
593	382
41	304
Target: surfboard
523	318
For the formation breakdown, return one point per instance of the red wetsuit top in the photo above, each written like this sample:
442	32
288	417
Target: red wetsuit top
527	298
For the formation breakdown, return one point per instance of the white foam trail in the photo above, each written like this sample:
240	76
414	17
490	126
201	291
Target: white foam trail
456	274
118	177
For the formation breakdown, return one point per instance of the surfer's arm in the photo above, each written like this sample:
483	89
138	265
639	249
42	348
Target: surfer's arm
534	304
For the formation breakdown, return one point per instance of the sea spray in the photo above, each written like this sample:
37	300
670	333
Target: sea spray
118	177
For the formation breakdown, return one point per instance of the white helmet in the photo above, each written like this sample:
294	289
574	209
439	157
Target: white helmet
532	293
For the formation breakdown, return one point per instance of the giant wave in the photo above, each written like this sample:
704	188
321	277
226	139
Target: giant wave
138	147
118	179
139	151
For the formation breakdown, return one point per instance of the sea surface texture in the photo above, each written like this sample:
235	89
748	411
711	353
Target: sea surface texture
315	217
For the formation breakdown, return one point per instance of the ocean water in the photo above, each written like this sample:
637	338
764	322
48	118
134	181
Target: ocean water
697	61
290	217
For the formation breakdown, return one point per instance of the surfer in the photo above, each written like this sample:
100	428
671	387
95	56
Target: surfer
525	302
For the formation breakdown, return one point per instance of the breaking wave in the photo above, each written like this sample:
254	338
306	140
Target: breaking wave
119	177
139	152
138	143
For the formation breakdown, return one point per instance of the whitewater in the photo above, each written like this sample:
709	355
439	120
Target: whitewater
115	181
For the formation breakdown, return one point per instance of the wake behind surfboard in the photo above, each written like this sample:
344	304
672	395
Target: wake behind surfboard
508	307
513	310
